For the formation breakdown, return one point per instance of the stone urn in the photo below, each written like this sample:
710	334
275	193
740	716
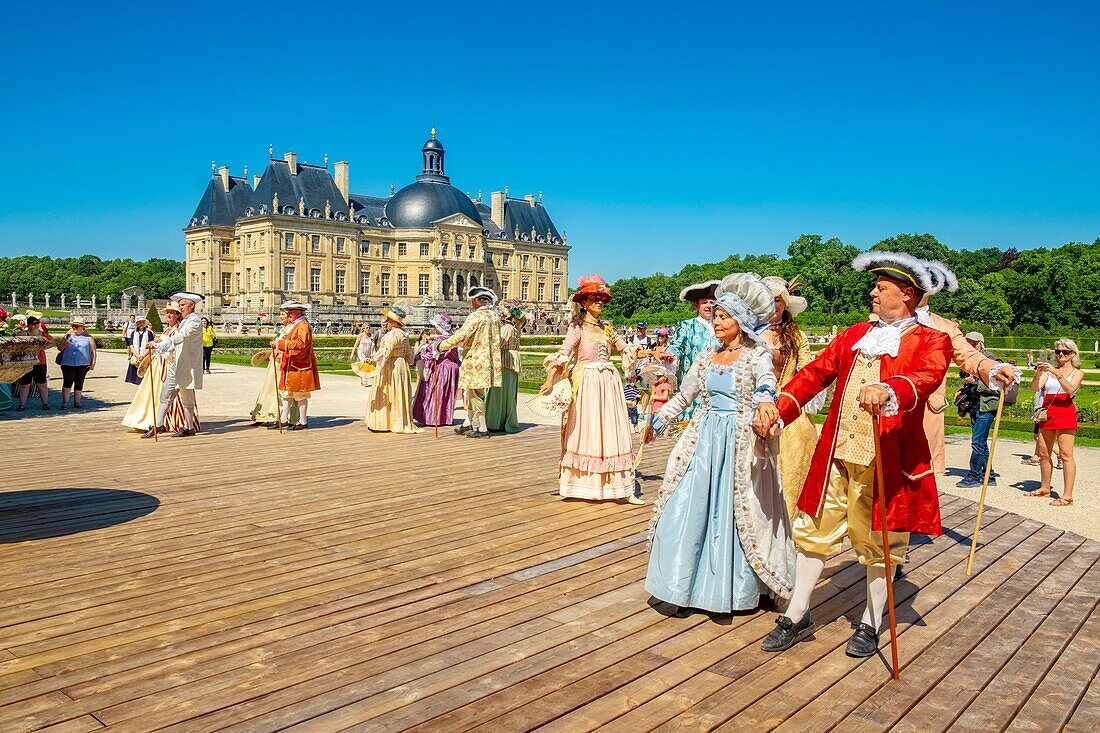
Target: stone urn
18	354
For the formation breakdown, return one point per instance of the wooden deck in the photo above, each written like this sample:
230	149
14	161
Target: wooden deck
336	579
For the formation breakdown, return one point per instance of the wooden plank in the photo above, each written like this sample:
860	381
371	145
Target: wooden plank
1003	694
1069	687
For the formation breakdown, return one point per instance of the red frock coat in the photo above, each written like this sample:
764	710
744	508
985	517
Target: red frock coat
912	499
298	365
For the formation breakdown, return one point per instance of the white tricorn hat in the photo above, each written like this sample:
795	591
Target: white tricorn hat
293	305
184	295
480	291
897	266
942	278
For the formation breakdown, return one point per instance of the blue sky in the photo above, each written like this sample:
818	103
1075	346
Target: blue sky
659	134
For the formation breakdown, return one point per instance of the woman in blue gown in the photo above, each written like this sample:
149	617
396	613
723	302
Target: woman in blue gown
720	534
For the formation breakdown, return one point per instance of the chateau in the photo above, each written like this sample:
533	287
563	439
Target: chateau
297	232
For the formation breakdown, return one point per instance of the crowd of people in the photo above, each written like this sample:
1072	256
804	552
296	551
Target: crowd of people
753	502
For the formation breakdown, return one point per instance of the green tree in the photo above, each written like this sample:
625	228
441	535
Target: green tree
152	317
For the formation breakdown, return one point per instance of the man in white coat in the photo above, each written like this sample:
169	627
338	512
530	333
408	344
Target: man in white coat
185	345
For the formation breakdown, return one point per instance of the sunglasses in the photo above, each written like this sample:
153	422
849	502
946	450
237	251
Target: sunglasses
1062	352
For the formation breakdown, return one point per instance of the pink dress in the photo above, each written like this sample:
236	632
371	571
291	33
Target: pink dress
597	459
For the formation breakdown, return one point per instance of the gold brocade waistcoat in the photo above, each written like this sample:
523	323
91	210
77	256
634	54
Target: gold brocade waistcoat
855	441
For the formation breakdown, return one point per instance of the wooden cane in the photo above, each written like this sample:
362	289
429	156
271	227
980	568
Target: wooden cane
153	398
278	400
881	485
985	481
438	397
645	426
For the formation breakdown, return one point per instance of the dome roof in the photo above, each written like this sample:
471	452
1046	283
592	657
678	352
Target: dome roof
419	204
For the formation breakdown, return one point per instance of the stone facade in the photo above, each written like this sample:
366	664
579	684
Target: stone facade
352	255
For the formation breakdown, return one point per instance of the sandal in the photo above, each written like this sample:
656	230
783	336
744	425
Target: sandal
1030	461
1062	501
1038	492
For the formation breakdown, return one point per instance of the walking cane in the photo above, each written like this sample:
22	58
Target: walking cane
985	481
645	426
438	397
278	400
153	398
886	548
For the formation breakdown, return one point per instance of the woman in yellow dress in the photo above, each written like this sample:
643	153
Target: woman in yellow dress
790	352
389	397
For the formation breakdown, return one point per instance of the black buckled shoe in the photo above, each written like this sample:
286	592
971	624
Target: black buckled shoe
787	633
151	433
459	430
864	641
185	433
476	434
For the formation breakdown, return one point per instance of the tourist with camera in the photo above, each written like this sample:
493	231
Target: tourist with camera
980	403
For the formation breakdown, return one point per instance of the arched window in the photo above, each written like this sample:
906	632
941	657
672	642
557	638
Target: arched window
460	287
473	281
446	287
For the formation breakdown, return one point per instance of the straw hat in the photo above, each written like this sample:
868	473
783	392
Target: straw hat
397	312
261	358
171	306
77	321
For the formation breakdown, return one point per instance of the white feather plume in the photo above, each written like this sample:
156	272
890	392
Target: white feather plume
867	260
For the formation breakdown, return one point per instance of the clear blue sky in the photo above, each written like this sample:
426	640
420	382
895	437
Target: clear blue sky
660	133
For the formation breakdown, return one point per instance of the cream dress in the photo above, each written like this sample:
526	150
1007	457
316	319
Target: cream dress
389	397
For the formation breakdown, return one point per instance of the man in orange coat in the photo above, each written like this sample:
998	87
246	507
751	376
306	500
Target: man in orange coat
885	368
297	364
969	359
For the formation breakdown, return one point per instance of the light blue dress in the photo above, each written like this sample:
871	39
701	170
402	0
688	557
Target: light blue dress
698	557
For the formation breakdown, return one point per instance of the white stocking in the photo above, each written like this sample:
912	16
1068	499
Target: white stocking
806	573
482	424
302	409
188	417
284	415
876	596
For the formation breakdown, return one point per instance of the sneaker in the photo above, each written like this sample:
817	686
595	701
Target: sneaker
787	633
968	483
864	641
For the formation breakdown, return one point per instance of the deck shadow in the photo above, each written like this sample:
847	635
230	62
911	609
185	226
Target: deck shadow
36	514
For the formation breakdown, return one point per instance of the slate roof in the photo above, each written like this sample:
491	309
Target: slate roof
370	210
518	214
217	207
313	183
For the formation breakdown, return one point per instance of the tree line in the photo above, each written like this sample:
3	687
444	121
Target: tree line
87	276
1023	292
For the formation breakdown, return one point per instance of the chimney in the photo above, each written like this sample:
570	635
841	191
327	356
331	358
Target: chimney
497	214
224	173
342	179
292	161
530	198
255	181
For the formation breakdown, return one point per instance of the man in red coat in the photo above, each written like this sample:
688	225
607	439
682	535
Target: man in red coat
887	368
297	363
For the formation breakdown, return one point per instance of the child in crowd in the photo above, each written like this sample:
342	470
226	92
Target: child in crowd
632	395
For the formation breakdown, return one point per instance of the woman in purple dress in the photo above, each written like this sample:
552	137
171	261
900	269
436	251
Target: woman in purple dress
440	379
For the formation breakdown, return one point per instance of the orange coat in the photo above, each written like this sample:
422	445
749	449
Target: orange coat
297	364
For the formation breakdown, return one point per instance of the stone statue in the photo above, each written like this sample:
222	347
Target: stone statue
275	203
351	211
328	209
301	206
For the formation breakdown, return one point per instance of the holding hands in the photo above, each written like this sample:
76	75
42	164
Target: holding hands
766	420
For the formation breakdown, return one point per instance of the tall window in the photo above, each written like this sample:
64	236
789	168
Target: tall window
263	278
424	249
288	279
504	258
315	279
385	283
364	246
542	292
402	284
422	284
288	241
402	249
248	279
225	248
542	265
203	283
557	264
504	290
385	249
470	252
315	243
364	282
527	262
340	245
227	282
341	277
443	252
557	292
524	290
263	240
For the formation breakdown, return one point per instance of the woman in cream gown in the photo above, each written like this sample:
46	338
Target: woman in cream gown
389	397
790	352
